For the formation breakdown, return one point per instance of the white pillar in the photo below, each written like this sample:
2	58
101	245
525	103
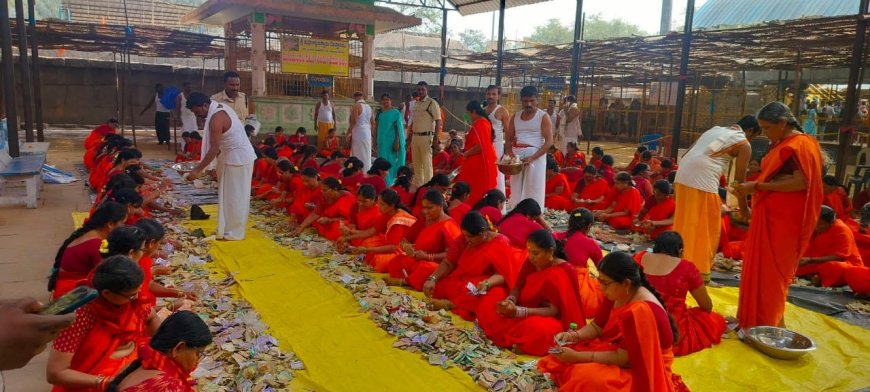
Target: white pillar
258	58
368	66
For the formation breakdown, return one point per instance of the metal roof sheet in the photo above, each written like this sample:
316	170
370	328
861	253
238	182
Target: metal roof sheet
471	7
716	13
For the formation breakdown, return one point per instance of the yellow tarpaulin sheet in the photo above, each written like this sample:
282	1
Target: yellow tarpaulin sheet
343	350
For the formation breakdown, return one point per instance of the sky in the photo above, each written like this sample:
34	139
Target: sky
521	21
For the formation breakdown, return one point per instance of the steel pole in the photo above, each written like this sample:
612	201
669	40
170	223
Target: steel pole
681	84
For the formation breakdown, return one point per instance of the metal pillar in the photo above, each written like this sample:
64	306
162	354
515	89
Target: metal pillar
594	115
681	85
797	87
851	108
575	48
667	11
499	63
443	72
35	75
24	69
8	79
258	56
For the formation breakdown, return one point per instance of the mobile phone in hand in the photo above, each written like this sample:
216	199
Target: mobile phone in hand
71	301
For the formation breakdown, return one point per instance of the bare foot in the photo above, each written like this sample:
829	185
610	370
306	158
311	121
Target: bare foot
713	284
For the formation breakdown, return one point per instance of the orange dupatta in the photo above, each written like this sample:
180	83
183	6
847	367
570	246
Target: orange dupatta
786	219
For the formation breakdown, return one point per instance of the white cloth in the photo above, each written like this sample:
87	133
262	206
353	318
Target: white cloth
559	132
408	114
235	147
498	143
188	119
361	134
234	199
705	162
159	105
325	113
572	129
531	183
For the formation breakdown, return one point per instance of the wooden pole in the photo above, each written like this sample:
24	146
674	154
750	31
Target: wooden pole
24	69
850	111
797	87
743	104
8	80
35	75
594	117
696	94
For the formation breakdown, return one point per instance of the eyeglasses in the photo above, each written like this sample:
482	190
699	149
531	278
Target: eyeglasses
605	283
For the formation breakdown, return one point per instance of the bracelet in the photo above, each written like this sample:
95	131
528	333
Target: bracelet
522	312
99	381
432	278
511	298
486	283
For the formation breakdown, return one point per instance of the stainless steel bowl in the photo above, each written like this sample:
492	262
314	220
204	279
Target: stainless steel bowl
780	343
184	167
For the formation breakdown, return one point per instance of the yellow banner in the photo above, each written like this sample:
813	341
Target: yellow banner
314	56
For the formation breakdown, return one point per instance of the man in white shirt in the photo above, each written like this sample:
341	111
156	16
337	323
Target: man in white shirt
162	115
227	141
500	119
360	130
324	118
188	119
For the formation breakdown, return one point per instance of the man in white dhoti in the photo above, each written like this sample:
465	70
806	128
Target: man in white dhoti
529	137
499	117
226	140
572	121
360	130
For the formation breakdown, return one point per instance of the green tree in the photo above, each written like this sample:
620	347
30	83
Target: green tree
431	17
553	32
473	39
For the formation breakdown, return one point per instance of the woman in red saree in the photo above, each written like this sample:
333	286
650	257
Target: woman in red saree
123	160
597	156
786	201
381	243
641	176
458	205
352	173
305	197
481	258
491	205
269	175
832	252
626	202
101	342
166	362
439	182
544	301
478	165
591	192
154	234
364	218
657	215
402	185
425	244
674	277
579	249
836	197
288	181
627	346
333	166
80	253
558	190
331	212
377	175
523	220
98	135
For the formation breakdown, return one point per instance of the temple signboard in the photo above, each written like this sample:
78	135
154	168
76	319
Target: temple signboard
305	55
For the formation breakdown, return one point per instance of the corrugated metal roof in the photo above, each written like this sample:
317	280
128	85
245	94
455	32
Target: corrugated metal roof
471	7
749	12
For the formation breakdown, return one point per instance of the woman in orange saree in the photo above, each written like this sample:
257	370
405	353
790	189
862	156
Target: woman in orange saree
557	191
591	191
628	345
425	244
381	243
544	301
626	203
331	212
478	165
786	201
101	342
579	249
96	138
657	216
306	197
482	259
364	219
674	277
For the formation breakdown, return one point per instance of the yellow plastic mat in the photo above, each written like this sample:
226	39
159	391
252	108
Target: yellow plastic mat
343	350
322	323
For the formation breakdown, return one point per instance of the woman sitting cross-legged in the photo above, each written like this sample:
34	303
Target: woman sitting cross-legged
673	277
481	258
380	243
544	301
627	347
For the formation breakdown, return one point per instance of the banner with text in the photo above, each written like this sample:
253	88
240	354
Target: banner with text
305	55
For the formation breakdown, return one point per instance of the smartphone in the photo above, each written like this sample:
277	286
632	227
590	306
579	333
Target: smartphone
71	301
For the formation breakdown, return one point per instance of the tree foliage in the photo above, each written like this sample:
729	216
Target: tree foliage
554	32
473	39
431	17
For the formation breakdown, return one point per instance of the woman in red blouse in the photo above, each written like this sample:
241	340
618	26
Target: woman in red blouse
80	253
166	362
674	277
457	206
395	221
101	342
